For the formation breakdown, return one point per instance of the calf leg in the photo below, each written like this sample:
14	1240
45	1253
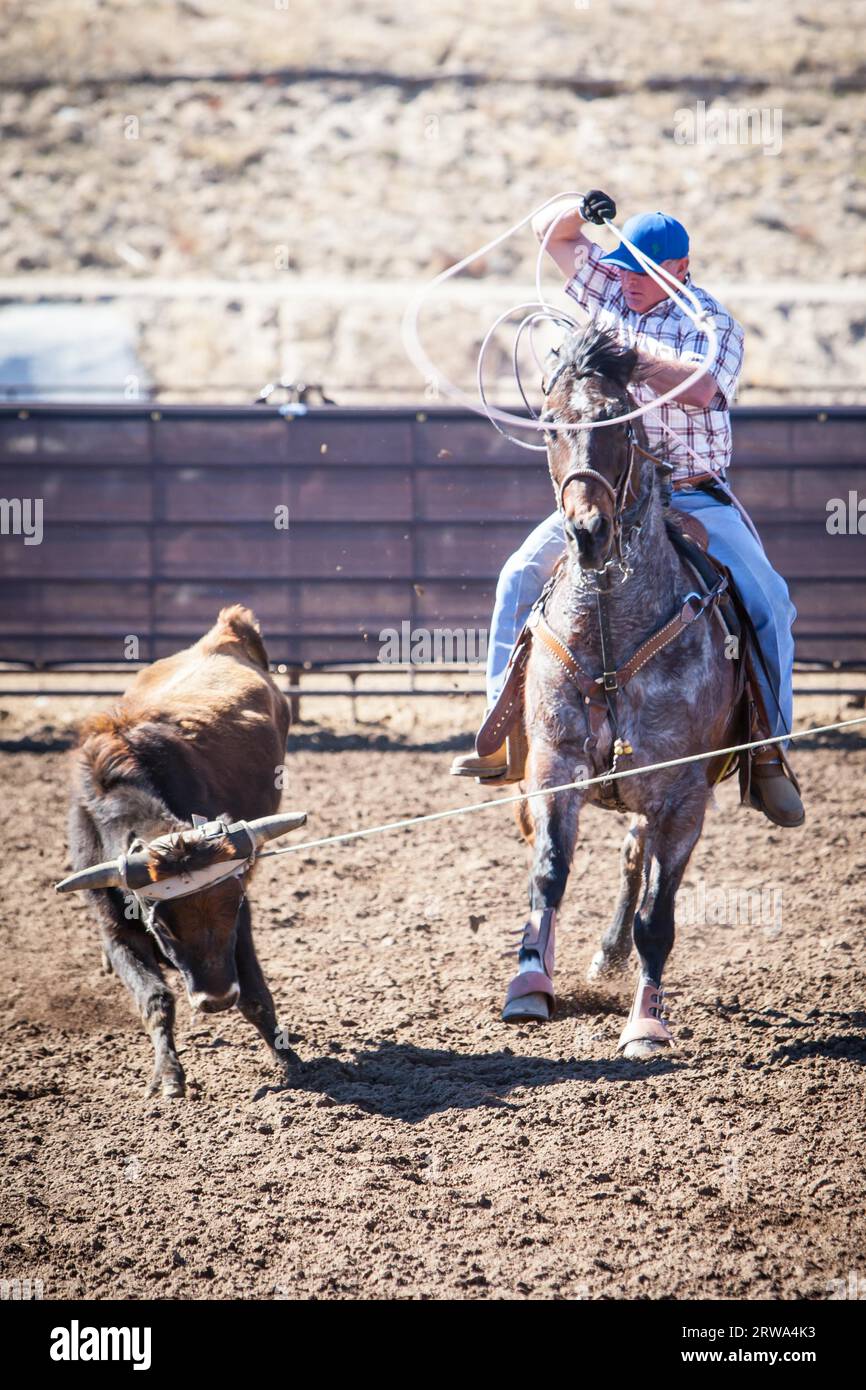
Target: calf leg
130	953
555	818
617	940
671	840
255	1002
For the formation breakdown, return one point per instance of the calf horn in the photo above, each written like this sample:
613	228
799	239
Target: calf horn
99	876
270	827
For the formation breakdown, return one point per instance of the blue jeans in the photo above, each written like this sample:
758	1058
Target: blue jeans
764	593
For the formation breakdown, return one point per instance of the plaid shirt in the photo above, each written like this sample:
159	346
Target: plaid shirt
666	332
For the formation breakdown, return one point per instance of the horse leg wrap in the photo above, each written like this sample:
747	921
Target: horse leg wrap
645	1022
539	936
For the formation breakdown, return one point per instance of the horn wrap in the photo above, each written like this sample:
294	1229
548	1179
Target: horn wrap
132	871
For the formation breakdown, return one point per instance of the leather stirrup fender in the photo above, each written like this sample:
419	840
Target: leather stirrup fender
499	720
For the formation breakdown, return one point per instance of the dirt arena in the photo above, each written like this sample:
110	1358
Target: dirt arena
428	1151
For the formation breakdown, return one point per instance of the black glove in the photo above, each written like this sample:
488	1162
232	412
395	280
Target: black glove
595	206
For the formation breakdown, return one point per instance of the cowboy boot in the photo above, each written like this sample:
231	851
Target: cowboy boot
773	789
504	765
481	765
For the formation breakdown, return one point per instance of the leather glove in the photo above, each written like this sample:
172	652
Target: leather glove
595	206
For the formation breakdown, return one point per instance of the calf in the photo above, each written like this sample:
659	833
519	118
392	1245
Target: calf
198	737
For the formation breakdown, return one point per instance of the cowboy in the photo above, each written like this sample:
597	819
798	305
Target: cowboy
692	432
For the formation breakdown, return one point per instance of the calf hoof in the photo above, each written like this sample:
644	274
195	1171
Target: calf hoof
286	1063
604	967
644	1049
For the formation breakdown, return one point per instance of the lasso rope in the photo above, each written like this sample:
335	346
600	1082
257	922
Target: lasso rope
551	791
539	310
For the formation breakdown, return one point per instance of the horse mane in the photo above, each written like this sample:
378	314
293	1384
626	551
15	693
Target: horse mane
593	351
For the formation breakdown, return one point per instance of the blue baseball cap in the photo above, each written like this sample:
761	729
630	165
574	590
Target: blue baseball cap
654	233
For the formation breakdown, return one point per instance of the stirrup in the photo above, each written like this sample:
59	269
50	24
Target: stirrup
516	754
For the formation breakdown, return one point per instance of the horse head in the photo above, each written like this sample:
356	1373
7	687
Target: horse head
596	474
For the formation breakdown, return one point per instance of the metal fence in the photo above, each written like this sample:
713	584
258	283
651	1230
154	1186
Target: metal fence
154	518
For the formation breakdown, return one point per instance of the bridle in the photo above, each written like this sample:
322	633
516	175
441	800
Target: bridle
625	533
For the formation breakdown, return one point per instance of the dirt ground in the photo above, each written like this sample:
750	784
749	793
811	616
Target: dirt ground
427	1151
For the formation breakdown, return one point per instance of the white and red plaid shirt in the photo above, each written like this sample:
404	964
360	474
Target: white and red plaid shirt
696	439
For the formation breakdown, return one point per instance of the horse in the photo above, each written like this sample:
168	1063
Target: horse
622	594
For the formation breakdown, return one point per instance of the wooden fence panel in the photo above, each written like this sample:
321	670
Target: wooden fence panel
337	524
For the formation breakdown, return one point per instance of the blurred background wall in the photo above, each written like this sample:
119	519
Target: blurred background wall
252	189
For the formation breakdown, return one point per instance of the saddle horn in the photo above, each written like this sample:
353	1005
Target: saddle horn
138	867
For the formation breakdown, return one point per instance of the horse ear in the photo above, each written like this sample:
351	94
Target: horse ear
633	369
551	362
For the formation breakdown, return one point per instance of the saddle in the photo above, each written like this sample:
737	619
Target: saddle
714	593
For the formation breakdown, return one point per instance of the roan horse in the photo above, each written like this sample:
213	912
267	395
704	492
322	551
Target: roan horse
622	603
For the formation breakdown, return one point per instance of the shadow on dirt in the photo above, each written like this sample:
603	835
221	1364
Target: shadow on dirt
307	738
587	1000
410	1083
837	1047
373	739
